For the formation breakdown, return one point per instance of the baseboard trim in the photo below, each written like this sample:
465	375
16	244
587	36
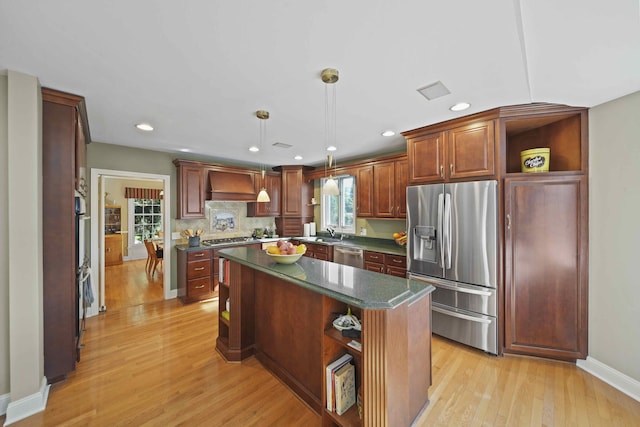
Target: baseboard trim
29	405
4	402
622	382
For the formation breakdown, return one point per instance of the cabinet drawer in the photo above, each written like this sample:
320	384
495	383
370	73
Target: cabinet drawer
319	249
197	287
397	261
197	269
374	266
396	271
374	257
196	256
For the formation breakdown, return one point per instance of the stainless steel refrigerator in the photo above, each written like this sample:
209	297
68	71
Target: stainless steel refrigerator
453	245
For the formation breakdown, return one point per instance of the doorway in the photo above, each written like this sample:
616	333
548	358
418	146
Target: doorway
98	203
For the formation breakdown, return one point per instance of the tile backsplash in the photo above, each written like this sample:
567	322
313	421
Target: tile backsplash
225	219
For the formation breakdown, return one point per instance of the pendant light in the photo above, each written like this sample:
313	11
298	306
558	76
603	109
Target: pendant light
329	77
263	196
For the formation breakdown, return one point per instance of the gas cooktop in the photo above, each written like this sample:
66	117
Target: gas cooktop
212	242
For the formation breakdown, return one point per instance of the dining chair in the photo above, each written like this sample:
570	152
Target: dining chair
156	256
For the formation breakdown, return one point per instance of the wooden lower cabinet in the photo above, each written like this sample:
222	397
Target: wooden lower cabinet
546	266
323	252
394	265
112	249
289	329
195	275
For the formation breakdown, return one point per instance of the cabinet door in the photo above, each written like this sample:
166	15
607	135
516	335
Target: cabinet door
190	191
471	151
546	266
364	190
426	158
384	195
402	176
291	192
271	208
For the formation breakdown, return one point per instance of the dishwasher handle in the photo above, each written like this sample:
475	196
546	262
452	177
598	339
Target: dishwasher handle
349	251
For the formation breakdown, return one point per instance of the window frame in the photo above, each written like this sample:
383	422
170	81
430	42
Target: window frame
327	201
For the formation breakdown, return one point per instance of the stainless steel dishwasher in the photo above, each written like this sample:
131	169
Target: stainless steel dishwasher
348	256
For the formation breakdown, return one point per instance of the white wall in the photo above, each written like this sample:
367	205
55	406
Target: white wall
614	234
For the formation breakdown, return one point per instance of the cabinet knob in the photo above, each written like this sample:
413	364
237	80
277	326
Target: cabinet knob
199	287
508	222
451	168
199	268
441	171
199	254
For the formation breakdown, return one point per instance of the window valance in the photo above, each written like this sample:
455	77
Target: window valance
142	193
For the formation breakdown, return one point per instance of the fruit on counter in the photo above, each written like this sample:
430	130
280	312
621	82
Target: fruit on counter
284	247
400	238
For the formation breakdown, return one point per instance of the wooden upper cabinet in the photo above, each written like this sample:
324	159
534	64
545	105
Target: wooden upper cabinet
191	190
402	177
462	152
272	184
471	151
384	190
364	190
426	157
297	190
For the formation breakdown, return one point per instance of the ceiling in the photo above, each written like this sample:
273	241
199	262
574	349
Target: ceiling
198	70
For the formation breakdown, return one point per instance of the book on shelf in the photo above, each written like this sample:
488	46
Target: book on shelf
225	314
345	388
330	372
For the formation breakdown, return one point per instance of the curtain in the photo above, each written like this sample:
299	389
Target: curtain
142	193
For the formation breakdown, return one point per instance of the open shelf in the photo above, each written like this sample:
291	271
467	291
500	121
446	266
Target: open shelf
336	335
349	418
561	133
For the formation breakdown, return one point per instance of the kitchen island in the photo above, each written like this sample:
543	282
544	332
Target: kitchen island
283	314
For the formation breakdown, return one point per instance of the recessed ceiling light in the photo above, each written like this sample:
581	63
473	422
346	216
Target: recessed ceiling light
145	127
254	149
298	157
388	133
185	150
331	148
460	106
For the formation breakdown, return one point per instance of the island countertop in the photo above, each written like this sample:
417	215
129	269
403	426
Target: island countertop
351	285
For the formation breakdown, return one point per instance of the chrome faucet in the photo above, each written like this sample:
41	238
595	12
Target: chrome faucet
331	232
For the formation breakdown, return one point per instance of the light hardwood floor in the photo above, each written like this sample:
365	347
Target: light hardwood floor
155	364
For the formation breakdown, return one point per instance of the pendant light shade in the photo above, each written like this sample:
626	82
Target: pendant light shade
263	196
330	186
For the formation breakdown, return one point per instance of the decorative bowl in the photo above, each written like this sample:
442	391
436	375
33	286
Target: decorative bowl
285	259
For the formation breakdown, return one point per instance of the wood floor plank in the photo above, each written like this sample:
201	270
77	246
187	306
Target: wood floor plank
149	362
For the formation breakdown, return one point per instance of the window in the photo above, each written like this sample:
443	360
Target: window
338	212
147	218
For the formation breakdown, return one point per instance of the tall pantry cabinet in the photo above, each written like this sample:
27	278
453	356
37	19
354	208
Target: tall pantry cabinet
65	131
546	235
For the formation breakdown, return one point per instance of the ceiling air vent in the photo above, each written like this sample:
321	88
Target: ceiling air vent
281	145
434	90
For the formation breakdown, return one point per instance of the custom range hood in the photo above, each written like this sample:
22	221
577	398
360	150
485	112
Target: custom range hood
228	184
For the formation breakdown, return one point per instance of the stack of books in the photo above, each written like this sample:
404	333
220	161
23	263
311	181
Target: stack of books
341	384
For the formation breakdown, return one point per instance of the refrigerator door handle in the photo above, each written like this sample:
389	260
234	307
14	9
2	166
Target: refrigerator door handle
440	227
448	228
463	290
460	315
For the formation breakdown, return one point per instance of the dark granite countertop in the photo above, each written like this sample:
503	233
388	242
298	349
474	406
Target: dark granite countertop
366	243
354	286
